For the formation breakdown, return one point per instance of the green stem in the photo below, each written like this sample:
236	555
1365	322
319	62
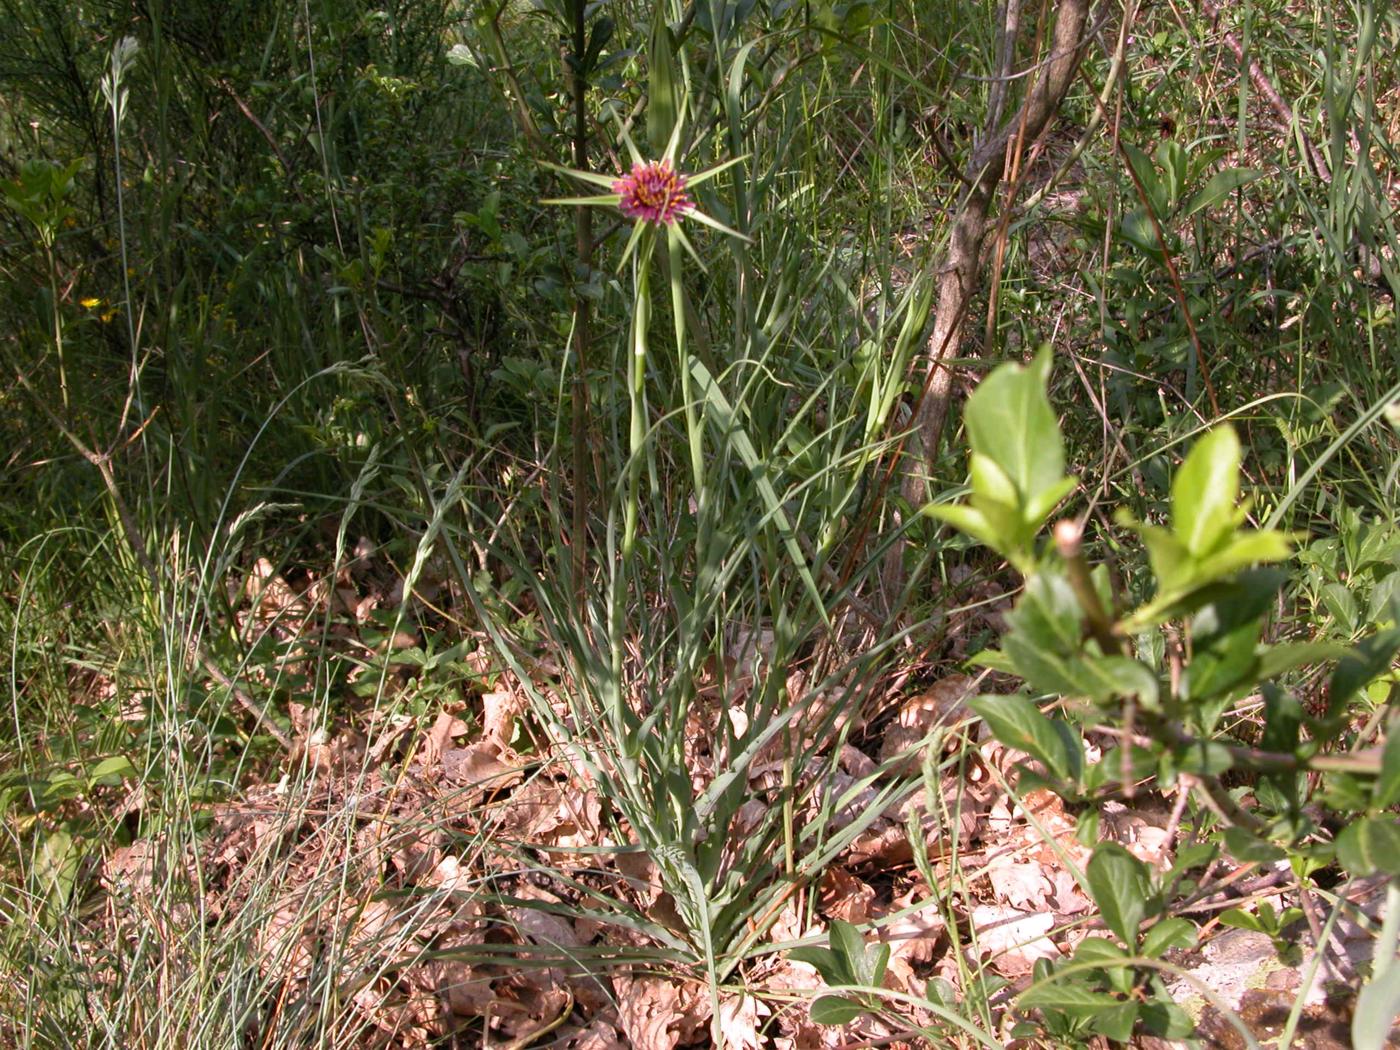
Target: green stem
694	434
1389	940
636	378
52	264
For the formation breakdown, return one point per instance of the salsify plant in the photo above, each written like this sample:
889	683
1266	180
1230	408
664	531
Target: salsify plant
654	194
723	588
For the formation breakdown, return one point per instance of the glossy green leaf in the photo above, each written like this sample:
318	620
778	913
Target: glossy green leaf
1241	920
1167	555
56	867
1167	934
111	770
1040	505
1009	420
1166	1020
1117	677
1369	660
1283	720
1120	887
1257	547
1246	847
1171	161
988	480
1048	614
1289	656
941	992
1117	1022
1018	723
1205	490
1204	758
826	962
1384	600
969	520
848	945
1340	604
877	960
1065	995
1100	950
1386	792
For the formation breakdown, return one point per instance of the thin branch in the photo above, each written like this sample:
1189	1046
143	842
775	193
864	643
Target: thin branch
1265	87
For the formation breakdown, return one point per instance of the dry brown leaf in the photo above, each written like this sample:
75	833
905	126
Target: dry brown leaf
284	941
943	703
843	896
393	1015
364	608
416	852
913	941
499	710
526	1003
394	729
600	1035
1141	830
655	1014
271	595
131	869
372	926
543	927
1022	884
1010	830
739	1020
449	876
1012	940
855	762
445	729
1068	898
547	812
884	844
478	767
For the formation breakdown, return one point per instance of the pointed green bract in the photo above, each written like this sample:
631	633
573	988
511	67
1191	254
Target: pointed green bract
663	86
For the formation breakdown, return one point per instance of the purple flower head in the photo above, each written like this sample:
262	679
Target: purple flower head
653	192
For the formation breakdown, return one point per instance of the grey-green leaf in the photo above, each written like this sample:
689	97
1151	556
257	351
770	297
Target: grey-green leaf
1370	845
1377	1007
835	1010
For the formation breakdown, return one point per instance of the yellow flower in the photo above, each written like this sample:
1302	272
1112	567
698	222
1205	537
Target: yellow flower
89	303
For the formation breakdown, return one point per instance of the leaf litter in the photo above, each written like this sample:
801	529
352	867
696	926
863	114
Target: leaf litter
456	872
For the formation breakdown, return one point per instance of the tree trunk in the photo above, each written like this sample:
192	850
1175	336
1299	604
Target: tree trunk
961	270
